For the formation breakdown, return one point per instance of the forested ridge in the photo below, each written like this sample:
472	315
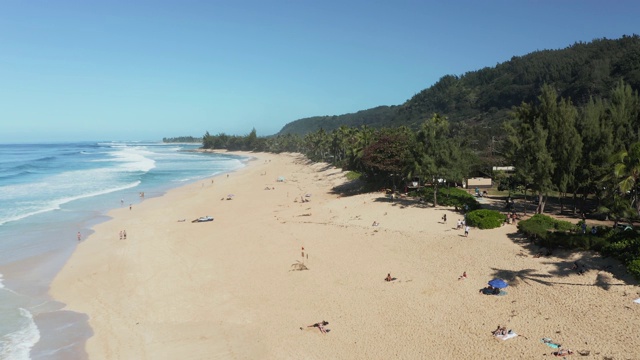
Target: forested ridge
482	99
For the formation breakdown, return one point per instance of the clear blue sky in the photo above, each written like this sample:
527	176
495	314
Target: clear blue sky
143	70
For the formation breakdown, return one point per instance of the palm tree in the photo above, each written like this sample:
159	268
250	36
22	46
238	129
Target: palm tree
627	171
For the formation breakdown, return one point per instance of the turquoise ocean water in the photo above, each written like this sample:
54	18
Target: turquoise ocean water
49	193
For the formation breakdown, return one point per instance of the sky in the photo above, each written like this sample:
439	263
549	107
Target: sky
144	70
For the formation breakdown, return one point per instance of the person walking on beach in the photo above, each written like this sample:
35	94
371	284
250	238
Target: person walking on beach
79	236
466	231
120	234
444	218
124	234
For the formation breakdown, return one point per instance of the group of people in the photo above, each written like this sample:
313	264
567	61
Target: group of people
123	235
463	224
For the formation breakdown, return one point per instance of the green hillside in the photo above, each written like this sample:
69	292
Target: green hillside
482	99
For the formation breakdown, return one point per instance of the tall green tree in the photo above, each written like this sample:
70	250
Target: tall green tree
434	153
596	132
532	159
564	143
624	109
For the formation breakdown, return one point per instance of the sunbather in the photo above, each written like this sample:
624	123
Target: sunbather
500	331
388	278
320	326
563	352
463	276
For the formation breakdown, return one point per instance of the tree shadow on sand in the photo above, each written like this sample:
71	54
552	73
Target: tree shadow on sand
403	202
515	278
350	188
608	272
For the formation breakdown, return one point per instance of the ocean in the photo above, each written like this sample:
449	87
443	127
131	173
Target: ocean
51	194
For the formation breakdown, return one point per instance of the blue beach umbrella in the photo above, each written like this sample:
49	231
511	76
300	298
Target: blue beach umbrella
498	283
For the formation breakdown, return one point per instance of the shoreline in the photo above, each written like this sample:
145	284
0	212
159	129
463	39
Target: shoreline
226	289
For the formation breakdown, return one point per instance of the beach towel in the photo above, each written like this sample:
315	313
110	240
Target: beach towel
508	336
502	293
550	343
637	301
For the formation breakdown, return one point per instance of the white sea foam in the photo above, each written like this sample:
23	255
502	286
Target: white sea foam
132	158
56	203
17	345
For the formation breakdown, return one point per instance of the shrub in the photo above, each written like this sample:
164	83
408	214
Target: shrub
451	197
538	226
552	233
561	225
575	241
485	219
353	175
634	268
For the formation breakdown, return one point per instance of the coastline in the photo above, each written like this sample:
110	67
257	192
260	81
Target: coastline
225	289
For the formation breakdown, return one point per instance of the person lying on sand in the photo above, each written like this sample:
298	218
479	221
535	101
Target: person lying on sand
320	326
563	352
489	290
375	223
500	331
463	276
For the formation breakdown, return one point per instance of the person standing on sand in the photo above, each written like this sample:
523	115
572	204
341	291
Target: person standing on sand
79	236
124	234
444	218
120	234
466	231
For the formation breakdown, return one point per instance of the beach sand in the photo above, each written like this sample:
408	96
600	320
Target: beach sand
226	289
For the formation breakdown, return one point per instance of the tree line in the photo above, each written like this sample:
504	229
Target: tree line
556	146
590	150
483	98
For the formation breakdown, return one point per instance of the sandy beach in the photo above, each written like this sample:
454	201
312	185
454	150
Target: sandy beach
226	289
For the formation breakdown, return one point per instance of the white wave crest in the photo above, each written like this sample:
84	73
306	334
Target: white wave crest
55	204
17	345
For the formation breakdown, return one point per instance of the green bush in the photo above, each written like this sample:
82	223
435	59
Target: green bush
539	226
451	197
353	175
634	268
552	233
485	219
561	225
575	241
